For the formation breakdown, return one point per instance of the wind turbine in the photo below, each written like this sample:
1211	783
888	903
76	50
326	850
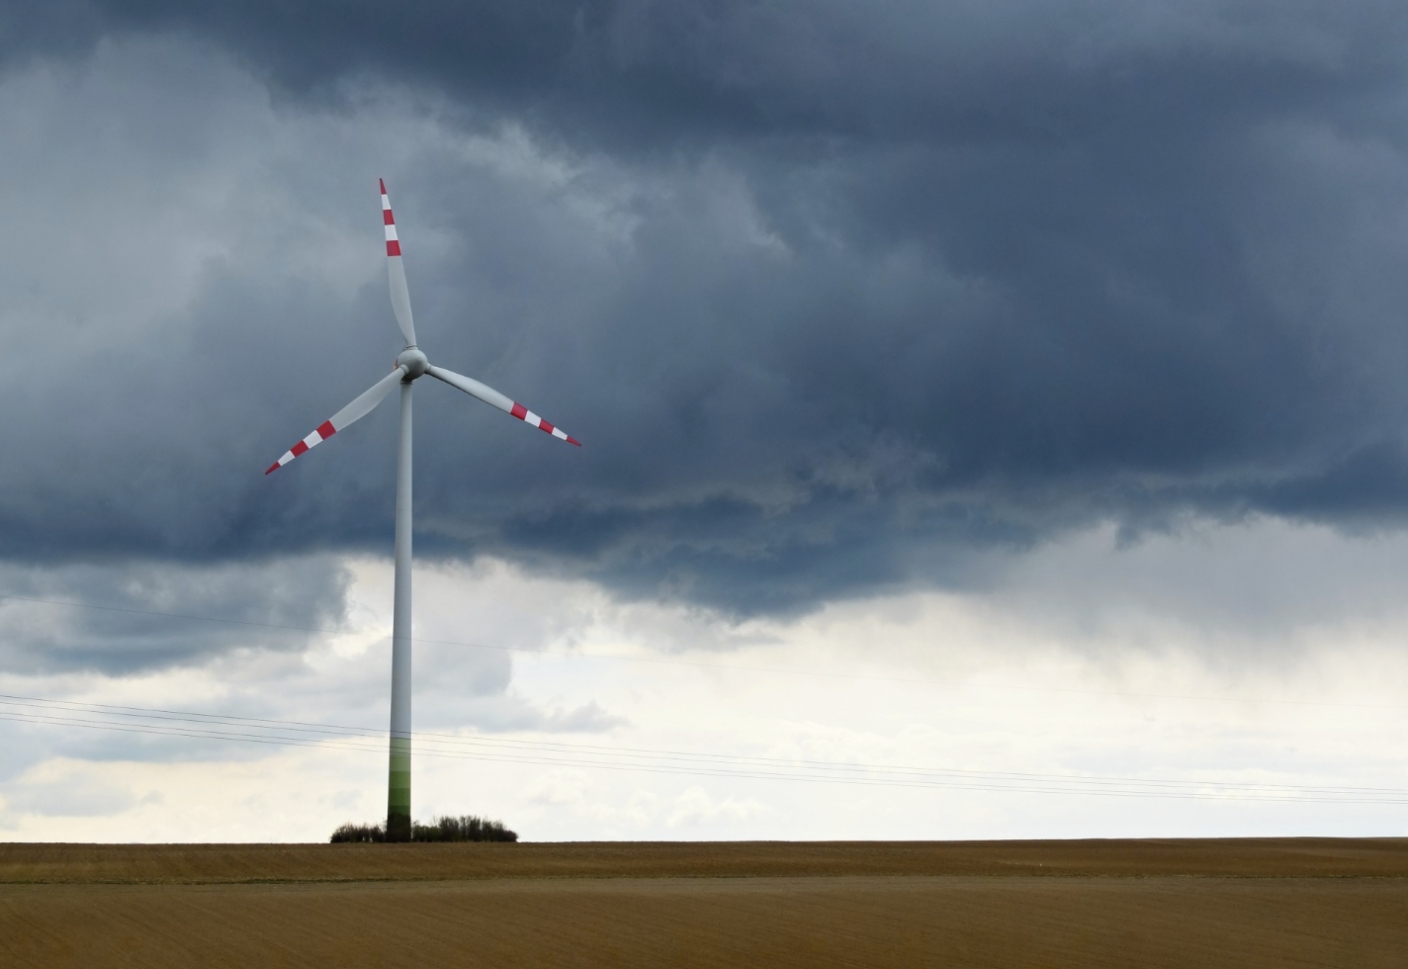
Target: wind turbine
410	366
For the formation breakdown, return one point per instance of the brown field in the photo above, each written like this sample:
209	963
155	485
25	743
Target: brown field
1245	903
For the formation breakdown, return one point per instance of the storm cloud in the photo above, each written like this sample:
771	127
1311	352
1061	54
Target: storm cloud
839	296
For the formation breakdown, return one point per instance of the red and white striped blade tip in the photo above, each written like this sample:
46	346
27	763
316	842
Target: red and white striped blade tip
528	417
325	430
393	243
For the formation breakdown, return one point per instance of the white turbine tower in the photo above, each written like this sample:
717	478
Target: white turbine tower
410	365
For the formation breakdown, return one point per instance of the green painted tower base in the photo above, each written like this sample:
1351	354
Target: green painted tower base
398	802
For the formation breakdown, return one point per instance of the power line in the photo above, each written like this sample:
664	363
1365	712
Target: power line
231	728
339	730
731	667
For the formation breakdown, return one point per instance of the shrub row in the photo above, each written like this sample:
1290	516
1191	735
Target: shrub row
445	828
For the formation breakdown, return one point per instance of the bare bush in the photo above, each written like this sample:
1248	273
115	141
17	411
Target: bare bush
466	827
350	833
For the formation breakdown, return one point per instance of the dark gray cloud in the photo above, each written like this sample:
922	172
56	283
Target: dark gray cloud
135	617
835	293
648	71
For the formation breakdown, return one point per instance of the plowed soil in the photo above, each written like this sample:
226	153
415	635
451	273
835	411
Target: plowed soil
1245	903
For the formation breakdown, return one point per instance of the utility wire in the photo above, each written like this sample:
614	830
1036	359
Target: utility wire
297	733
433	737
564	654
1225	792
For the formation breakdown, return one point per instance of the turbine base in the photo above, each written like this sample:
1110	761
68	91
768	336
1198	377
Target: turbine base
398	827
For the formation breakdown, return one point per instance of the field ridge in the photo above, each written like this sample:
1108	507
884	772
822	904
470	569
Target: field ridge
193	864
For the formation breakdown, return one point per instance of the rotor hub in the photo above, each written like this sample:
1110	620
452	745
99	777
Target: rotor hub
414	361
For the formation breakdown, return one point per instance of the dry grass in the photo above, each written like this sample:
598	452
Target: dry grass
1301	902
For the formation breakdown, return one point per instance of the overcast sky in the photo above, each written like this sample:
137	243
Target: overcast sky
926	356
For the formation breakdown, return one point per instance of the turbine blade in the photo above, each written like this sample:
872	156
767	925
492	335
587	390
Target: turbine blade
400	296
491	396
354	411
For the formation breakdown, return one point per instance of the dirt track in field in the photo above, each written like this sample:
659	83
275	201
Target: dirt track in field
1245	903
